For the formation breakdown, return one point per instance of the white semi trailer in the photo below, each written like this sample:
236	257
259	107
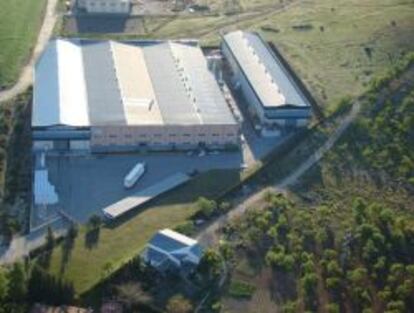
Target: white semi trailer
133	176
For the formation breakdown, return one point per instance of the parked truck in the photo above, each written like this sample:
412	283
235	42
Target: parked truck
134	175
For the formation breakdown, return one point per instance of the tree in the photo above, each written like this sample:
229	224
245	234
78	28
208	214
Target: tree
290	307
46	288
358	209
309	282
179	304
206	207
73	231
18	283
224	206
4	285
210	264
332	308
131	294
50	239
395	307
94	222
279	259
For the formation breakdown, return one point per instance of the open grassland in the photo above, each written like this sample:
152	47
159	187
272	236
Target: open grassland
20	21
92	259
348	42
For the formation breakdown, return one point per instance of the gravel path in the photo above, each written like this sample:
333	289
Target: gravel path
26	75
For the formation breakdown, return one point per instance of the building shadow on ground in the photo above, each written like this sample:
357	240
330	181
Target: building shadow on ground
99	24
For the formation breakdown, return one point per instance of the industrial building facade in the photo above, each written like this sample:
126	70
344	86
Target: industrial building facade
274	99
108	96
105	6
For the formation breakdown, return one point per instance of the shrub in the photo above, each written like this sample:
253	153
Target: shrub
179	304
186	228
240	289
206	207
94	222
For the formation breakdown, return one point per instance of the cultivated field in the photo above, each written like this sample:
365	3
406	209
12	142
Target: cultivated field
20	21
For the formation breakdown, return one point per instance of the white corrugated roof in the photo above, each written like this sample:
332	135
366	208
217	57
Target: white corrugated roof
60	93
270	80
202	88
73	102
178	237
86	82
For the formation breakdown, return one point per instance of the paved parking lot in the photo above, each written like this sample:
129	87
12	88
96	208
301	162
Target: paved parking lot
87	184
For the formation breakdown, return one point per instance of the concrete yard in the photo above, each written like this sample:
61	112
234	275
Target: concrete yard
86	184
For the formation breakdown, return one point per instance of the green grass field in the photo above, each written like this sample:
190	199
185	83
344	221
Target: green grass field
20	21
119	243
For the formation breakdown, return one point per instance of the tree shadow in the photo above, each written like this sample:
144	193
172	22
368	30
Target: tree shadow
283	286
67	248
44	259
92	238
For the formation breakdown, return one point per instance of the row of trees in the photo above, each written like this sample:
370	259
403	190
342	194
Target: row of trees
22	285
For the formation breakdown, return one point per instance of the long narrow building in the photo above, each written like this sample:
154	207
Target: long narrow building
123	96
274	99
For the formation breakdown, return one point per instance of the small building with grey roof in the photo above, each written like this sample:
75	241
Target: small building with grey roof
123	96
170	251
273	97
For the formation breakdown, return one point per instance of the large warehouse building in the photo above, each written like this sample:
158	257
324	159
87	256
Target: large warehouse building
274	99
124	96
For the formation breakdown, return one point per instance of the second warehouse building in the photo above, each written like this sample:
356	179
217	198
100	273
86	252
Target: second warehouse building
274	99
122	96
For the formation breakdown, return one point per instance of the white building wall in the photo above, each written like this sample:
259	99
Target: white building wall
164	136
79	145
106	6
40	145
